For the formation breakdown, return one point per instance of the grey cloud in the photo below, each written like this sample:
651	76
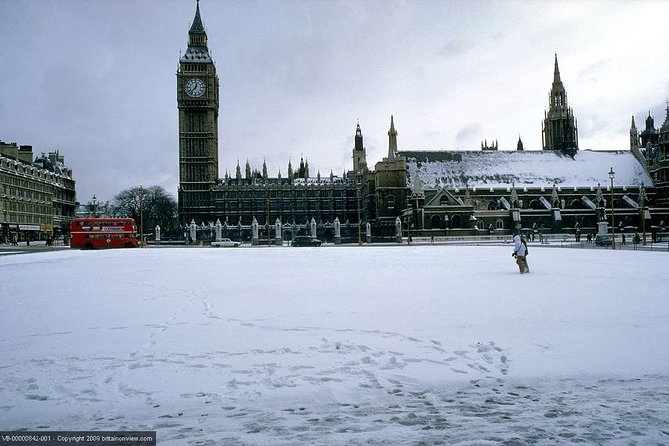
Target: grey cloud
456	47
593	71
468	133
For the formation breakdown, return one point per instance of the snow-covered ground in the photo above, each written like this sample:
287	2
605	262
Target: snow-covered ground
339	345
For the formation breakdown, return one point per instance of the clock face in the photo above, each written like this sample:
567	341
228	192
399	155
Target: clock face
195	87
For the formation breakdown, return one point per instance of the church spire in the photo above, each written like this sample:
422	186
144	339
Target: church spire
559	130
558	94
634	135
392	140
556	73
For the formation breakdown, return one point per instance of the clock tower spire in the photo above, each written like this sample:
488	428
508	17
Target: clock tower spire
197	27
197	101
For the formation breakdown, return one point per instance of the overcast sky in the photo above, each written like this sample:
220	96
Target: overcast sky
96	80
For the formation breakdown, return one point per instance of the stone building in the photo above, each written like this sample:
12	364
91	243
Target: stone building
37	197
498	192
240	200
558	189
429	193
652	147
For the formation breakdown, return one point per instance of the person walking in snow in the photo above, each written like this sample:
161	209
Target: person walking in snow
520	252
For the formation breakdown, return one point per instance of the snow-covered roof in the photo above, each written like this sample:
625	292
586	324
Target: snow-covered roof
529	168
196	54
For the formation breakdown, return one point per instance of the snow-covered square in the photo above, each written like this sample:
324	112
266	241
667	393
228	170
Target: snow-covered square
340	345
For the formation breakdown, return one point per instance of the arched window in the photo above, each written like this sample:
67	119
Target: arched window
443	200
456	222
390	202
435	222
499	224
559	99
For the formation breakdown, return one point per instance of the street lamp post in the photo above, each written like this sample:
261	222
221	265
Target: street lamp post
267	225
95	205
141	216
612	175
357	194
642	207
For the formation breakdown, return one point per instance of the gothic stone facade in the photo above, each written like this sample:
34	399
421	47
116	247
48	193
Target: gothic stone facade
500	192
652	148
432	193
235	201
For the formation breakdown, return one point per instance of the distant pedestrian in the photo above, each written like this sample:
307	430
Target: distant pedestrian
623	238
520	253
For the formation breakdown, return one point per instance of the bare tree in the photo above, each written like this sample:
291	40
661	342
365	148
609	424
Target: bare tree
152	206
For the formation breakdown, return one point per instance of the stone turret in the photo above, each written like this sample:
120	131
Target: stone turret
359	153
559	130
392	140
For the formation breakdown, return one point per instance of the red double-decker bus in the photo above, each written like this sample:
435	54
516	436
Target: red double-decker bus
97	233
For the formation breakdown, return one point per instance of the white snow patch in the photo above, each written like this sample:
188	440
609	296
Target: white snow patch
461	169
345	345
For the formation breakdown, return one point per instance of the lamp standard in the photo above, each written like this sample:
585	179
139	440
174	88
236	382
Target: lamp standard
642	203
94	203
357	194
141	216
612	175
267	225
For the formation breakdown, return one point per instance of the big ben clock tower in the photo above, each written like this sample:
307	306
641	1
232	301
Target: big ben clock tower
197	99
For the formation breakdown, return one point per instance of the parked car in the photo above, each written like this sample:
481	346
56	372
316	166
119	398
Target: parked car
225	243
603	240
305	240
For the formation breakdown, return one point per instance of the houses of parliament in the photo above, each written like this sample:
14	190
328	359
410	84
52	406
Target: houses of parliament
428	193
